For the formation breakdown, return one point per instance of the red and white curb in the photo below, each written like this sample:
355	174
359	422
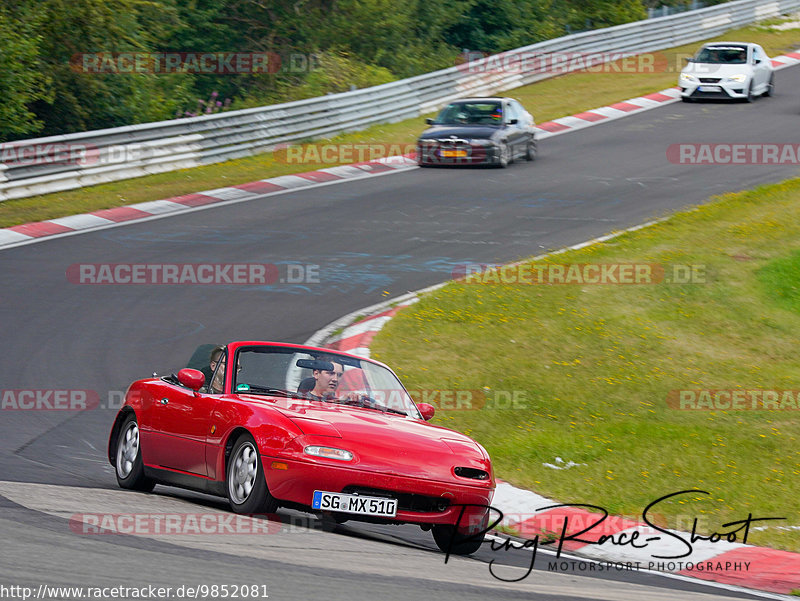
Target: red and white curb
786	60
34	232
728	564
29	233
608	113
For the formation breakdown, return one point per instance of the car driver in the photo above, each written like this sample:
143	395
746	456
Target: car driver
327	381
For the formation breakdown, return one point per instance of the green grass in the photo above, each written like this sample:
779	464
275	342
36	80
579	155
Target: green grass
781	278
594	366
546	100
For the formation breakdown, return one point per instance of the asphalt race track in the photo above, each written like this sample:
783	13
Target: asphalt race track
372	239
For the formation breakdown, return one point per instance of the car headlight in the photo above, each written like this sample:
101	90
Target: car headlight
688	78
740	77
328	453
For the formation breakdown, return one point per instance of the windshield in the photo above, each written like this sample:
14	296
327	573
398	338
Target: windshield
722	55
484	113
324	377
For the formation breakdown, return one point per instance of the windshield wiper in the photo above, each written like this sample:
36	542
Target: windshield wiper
390	410
268	390
369	403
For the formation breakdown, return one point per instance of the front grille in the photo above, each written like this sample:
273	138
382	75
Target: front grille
406	501
710	80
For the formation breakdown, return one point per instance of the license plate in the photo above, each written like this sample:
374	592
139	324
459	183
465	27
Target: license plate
338	501
709	88
452	154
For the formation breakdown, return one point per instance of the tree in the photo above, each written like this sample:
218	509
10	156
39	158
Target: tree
78	98
21	77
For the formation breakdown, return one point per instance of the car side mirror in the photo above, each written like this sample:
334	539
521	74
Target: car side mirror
513	122
191	378
429	121
427	410
689	59
756	61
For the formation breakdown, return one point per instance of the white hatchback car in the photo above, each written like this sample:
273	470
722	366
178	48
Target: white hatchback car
727	70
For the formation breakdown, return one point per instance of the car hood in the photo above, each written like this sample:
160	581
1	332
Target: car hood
716	69
468	132
391	443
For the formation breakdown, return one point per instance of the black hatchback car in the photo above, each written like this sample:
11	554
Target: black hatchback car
478	131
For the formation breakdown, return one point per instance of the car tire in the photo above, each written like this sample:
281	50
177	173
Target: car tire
530	150
456	544
687	99
129	466
504	158
770	91
244	479
750	96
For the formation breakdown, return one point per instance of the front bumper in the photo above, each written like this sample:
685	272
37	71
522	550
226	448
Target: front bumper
473	154
723	89
298	483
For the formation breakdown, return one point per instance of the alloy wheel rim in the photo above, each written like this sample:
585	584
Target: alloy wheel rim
242	473
127	451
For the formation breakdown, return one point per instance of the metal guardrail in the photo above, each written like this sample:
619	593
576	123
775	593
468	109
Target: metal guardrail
57	163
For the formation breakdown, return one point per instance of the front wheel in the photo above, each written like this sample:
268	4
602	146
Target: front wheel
530	150
750	96
770	91
450	541
246	485
504	156
129	465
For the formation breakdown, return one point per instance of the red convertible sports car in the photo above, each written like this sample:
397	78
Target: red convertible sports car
267	424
